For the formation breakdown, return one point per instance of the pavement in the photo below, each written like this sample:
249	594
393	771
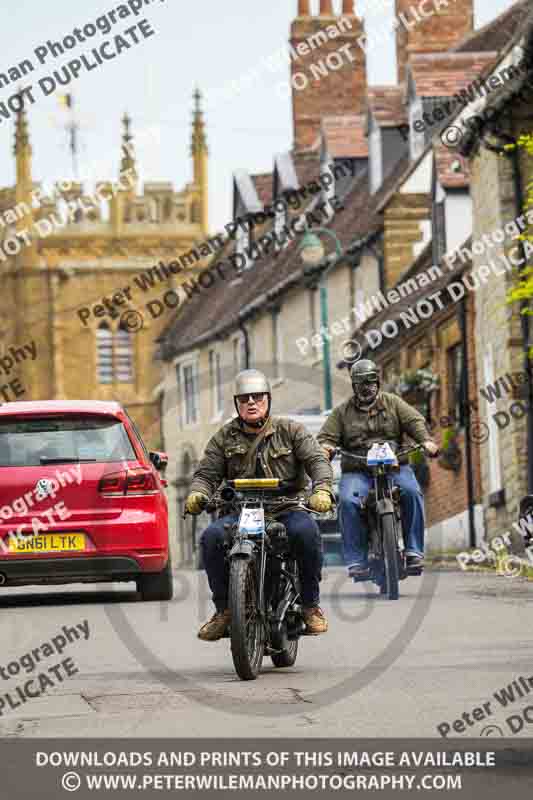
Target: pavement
384	669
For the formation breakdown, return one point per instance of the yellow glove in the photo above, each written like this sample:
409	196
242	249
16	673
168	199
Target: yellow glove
320	501
195	502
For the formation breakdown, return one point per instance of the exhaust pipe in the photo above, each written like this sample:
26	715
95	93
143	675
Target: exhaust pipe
3	579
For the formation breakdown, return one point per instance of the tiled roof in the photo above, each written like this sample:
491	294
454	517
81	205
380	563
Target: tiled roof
386	105
453	170
345	136
444	74
498	33
216	310
507	95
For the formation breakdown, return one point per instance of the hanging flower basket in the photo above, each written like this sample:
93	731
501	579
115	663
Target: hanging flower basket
418	382
450	453
420	466
415	387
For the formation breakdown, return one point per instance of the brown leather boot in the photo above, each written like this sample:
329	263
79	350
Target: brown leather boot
215	628
315	621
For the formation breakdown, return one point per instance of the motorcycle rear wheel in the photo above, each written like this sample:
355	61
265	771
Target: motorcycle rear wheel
247	629
390	554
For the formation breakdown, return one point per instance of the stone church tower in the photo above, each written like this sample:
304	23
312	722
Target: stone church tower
86	283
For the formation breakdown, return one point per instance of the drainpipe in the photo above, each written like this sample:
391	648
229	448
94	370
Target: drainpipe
246	344
465	400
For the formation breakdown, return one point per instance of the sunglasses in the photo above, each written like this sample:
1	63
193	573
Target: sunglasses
257	397
366	379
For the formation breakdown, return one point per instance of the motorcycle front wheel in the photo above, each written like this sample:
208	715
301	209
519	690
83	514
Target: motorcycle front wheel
390	555
247	629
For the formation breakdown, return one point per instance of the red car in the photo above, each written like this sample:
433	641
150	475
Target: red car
81	499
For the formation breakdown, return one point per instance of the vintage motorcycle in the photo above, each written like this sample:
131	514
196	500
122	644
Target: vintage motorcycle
264	587
381	508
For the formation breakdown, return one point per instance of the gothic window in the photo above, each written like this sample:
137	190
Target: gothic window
195	211
123	356
104	346
114	355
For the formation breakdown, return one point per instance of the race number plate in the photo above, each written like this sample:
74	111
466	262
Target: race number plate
252	521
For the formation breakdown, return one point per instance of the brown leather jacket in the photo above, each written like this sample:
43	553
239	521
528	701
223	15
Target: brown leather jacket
389	420
288	452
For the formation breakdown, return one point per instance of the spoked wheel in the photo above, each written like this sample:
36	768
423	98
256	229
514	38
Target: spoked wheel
247	630
390	553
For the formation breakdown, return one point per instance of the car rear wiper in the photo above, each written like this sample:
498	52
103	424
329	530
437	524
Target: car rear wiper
45	460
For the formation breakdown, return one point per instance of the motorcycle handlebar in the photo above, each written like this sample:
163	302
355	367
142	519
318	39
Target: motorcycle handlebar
218	501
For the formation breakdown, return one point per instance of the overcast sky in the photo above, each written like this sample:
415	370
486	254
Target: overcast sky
204	42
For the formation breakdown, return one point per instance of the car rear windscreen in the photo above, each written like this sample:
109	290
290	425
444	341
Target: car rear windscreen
35	441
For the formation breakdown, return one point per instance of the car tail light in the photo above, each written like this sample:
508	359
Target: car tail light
140	481
135	481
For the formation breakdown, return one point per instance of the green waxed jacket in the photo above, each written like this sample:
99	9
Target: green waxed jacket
288	452
390	419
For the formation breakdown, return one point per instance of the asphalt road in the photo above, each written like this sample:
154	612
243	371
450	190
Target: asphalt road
383	669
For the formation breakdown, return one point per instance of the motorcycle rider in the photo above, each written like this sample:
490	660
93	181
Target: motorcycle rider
370	416
255	444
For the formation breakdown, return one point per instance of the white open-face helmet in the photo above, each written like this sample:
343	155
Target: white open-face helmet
252	381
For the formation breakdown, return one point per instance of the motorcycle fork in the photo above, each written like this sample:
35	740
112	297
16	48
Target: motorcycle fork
383	490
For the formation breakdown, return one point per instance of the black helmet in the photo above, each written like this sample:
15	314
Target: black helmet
365	381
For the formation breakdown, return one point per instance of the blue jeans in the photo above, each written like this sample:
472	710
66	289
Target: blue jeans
305	542
354	486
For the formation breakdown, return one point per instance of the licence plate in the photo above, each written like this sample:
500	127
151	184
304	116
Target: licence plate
48	543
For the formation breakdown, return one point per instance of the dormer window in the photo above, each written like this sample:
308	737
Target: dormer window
280	220
242	238
417	139
376	162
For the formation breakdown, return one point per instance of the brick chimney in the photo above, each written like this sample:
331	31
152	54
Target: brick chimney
441	31
328	68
